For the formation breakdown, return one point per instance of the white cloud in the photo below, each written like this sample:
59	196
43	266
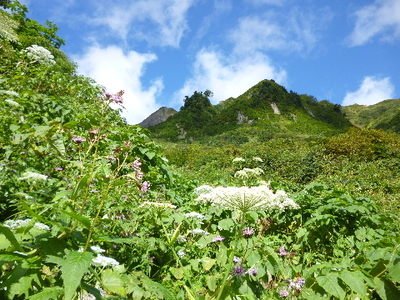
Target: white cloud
228	77
296	31
371	91
118	70
382	17
261	2
158	22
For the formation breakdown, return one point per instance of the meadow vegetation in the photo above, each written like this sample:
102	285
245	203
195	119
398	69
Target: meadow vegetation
284	207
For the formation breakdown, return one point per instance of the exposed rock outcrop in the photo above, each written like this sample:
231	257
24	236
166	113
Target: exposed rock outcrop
157	117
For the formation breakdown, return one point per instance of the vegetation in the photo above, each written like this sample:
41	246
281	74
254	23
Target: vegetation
291	205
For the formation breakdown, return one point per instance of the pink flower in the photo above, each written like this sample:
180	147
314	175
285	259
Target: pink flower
145	186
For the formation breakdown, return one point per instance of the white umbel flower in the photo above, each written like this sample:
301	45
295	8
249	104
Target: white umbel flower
40	54
33	177
104	261
245	199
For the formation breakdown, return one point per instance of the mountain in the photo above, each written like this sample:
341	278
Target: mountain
383	115
159	116
267	106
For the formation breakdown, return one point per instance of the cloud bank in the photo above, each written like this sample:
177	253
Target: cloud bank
122	72
371	91
381	18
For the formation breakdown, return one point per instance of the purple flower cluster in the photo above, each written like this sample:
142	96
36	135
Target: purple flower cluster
218	238
78	139
248	232
116	98
282	251
145	186
293	285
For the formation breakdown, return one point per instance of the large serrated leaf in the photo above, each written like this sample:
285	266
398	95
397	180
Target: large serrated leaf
331	285
355	282
47	294
394	269
386	289
73	267
10	236
112	282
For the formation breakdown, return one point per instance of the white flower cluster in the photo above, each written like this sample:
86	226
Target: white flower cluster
195	215
33	177
199	232
12	94
247	173
238	160
159	205
104	261
259	198
40	54
14	224
203	189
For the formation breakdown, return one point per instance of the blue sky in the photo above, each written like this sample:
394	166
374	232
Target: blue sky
159	51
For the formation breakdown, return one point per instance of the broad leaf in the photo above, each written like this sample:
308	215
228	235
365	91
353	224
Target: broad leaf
112	282
355	282
386	289
47	294
10	236
331	285
75	265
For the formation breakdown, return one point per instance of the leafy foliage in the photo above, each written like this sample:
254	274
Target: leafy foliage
92	209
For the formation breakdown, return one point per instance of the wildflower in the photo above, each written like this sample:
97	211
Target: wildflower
78	139
196	215
297	284
14	224
248	231
218	238
300	281
284	293
248	198
181	253
9	93
40	54
58	169
104	261
145	187
203	189
181	239
238	159
252	271
259	159
11	102
199	232
282	251
97	249
33	177
157	205
116	98
237	259
238	271
137	164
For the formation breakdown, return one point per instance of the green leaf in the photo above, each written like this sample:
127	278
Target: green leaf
10	236
394	269
158	288
178	273
73	267
59	145
115	240
48	293
112	282
207	263
81	219
226	224
386	289
331	285
355	282
14	127
150	154
82	185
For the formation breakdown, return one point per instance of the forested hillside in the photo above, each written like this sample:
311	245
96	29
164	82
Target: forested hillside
250	204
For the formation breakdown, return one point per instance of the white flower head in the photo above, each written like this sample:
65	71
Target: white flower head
259	159
11	102
104	261
199	232
40	54
97	249
203	189
181	253
33	177
248	198
195	215
238	160
14	224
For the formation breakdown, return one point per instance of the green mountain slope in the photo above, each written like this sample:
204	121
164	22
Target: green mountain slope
267	107
383	115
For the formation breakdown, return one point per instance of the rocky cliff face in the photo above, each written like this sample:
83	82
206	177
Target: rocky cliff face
159	116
